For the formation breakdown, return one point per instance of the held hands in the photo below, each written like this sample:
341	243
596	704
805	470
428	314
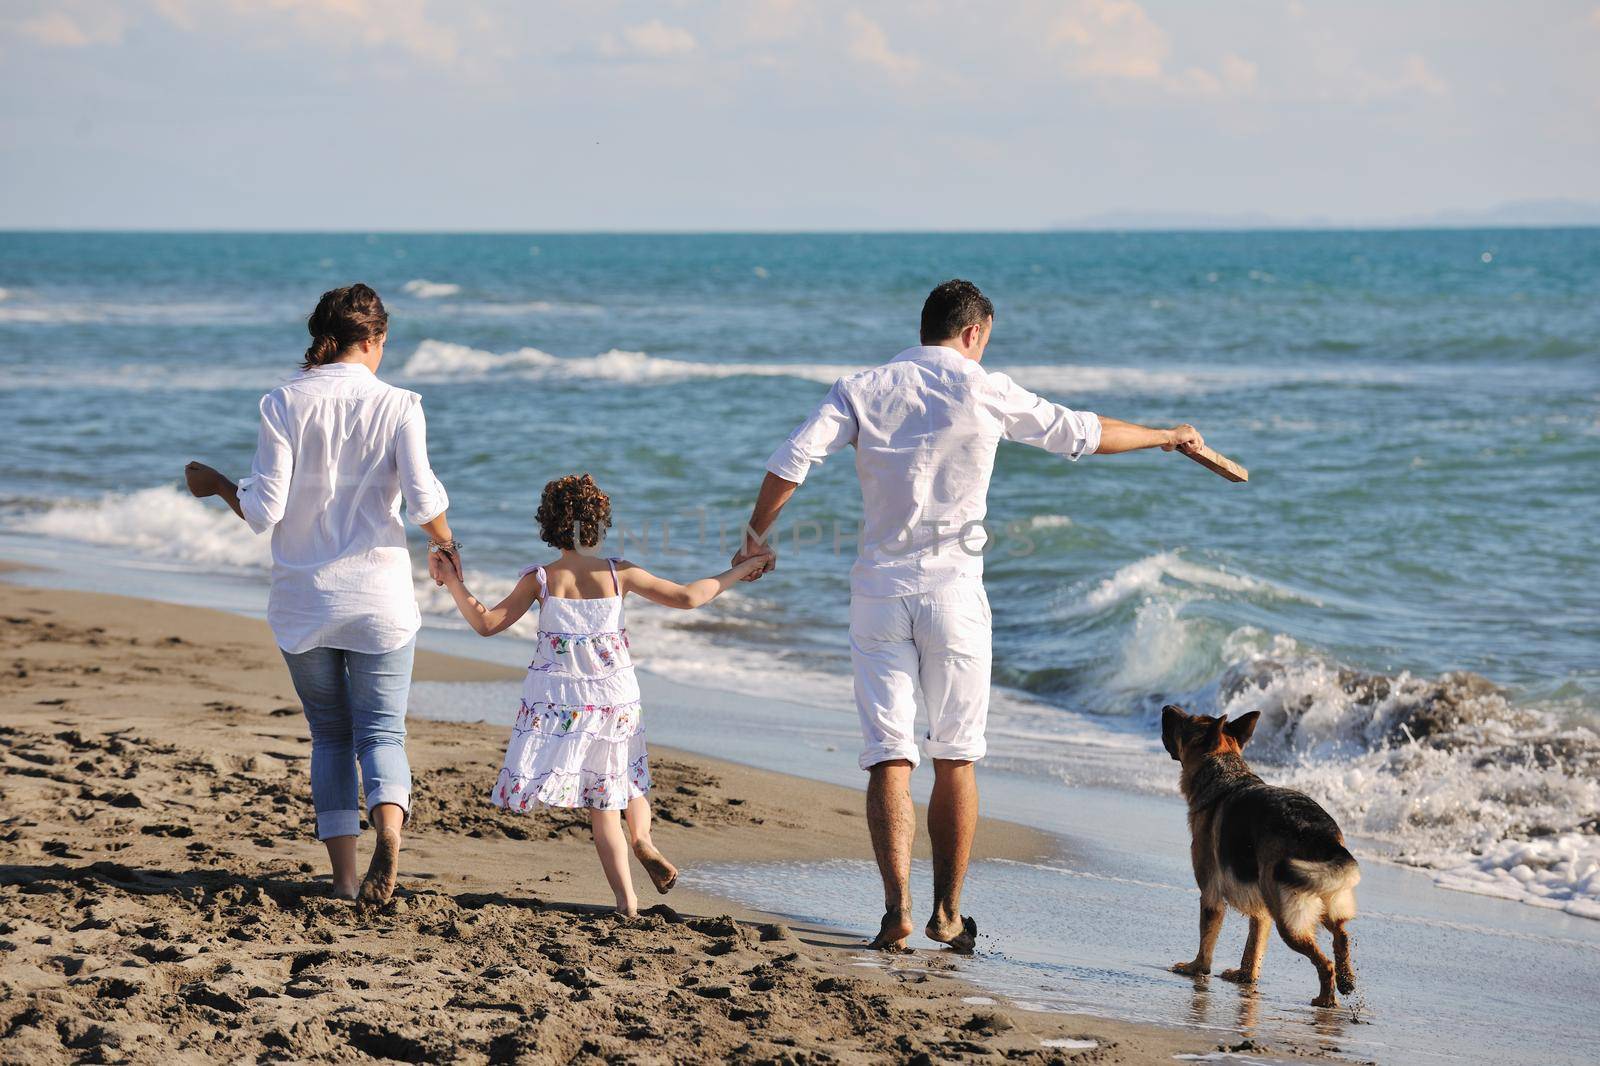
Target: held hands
444	567
201	479
1184	438
760	553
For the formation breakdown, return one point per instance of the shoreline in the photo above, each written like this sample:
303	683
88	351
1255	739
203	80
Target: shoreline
154	781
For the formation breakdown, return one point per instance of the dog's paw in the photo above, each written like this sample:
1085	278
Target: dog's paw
1347	983
1327	999
1190	969
1238	977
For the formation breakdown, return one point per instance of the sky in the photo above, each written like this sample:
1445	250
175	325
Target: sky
785	114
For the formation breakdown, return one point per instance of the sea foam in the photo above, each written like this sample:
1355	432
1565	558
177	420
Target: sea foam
424	289
160	523
444	362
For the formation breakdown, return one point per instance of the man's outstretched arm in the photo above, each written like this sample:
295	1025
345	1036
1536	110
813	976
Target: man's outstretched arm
831	426
1119	436
775	492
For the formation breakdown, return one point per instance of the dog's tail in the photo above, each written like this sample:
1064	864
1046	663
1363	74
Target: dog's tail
1334	879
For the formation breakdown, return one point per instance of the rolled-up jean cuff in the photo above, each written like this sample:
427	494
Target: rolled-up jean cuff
332	824
400	797
873	756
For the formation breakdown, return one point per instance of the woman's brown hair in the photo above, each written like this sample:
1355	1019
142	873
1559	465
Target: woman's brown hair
343	319
573	512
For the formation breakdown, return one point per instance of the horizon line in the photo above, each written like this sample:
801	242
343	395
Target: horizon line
779	232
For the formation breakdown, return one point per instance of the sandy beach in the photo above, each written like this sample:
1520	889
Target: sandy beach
162	895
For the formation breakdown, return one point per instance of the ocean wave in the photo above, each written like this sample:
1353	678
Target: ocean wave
424	289
135	314
1157	571
443	361
1456	776
159	523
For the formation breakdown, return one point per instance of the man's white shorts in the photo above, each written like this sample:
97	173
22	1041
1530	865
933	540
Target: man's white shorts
930	650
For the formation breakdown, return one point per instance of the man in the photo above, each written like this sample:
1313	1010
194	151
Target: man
925	427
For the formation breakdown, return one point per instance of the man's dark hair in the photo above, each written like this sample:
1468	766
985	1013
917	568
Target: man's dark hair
951	308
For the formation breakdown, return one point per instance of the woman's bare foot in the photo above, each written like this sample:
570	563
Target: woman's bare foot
893	932
378	885
960	936
626	911
662	873
345	891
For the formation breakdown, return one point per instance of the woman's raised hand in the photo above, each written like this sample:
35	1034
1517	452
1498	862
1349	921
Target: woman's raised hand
201	479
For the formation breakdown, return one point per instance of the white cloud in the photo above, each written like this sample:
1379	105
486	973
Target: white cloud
1116	41
870	45
1416	74
656	40
58	29
763	21
1113	39
402	24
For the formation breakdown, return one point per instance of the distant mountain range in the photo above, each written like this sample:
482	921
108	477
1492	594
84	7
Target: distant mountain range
1516	213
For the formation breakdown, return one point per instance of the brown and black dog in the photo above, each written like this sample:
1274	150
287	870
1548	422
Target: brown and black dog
1272	853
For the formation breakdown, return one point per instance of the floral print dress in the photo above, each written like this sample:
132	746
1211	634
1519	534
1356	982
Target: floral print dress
578	740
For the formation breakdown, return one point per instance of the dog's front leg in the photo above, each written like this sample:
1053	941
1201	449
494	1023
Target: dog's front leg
1210	926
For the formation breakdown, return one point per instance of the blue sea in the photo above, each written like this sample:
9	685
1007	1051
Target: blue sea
1405	587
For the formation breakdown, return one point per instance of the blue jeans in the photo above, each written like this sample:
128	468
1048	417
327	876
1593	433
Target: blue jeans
356	706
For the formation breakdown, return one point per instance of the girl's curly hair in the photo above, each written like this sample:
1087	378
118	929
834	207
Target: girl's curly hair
573	512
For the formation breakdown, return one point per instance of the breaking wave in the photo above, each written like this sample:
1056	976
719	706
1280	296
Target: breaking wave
443	361
424	289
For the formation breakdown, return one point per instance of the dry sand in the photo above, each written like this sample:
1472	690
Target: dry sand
163	898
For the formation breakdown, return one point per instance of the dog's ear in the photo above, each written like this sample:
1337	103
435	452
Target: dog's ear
1241	728
1172	719
1213	735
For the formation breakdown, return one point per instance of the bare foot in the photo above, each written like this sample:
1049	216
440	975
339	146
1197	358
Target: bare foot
1192	969
345	891
1238	977
961	938
662	873
378	885
893	932
626	912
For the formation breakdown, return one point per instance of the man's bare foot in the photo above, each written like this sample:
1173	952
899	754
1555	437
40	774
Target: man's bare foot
378	885
892	933
960	936
662	873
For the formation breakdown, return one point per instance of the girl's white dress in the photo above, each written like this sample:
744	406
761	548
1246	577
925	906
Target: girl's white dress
578	739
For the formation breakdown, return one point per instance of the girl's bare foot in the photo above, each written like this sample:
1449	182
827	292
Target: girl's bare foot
893	932
662	873
378	885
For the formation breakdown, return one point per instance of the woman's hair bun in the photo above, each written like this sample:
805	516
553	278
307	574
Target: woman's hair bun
343	319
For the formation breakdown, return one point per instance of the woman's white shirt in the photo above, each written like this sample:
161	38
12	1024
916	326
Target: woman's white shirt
338	451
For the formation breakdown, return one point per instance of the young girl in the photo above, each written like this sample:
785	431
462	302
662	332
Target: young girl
578	740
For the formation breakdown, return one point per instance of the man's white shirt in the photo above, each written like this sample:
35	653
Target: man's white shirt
925	426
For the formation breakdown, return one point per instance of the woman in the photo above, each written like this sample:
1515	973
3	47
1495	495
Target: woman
337	451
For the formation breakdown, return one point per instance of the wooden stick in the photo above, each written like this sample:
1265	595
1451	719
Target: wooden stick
1219	464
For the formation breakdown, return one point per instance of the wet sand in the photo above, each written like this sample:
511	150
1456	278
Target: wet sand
162	896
